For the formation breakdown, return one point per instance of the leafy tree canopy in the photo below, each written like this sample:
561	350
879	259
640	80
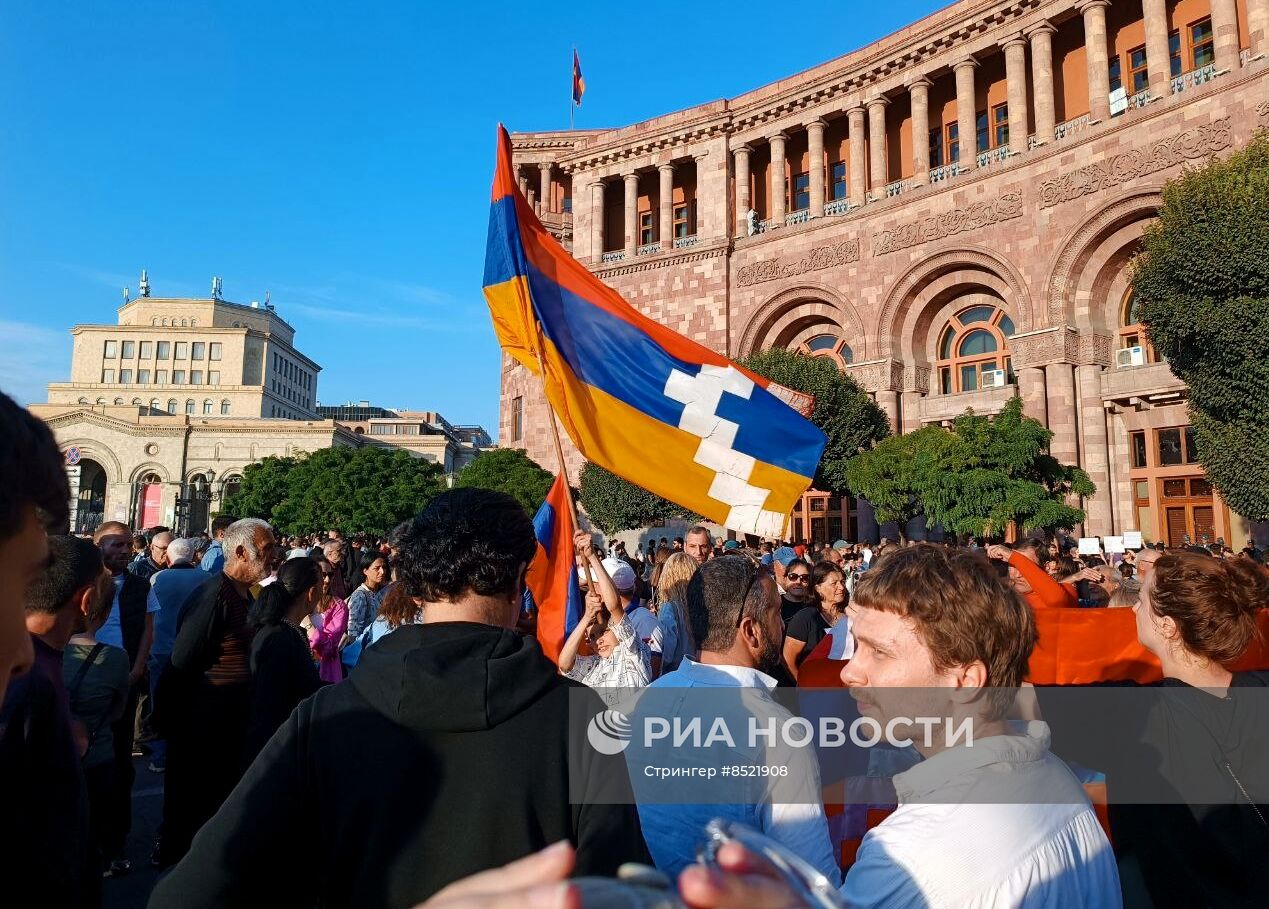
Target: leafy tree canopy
614	504
511	471
1202	281
356	490
975	478
848	416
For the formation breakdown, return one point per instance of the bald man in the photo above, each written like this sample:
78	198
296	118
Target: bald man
155	558
1145	563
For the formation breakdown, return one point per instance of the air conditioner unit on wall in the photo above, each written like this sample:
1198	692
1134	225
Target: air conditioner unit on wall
994	378
1130	356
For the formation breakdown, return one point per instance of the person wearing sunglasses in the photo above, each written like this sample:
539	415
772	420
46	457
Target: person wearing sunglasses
327	626
797	593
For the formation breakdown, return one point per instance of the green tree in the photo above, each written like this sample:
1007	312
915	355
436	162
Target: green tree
975	478
614	504
511	471
356	490
1202	282
848	416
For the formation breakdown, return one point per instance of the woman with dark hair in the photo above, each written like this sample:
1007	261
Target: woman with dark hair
1186	763
282	670
828	604
327	625
363	606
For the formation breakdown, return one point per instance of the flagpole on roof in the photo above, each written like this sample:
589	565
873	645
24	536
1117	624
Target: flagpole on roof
572	101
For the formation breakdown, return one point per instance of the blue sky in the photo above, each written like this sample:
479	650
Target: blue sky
337	155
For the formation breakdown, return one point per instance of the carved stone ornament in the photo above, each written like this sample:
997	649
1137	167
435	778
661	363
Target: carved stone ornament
957	221
1059	344
1190	145
1095	349
821	257
916	378
877	375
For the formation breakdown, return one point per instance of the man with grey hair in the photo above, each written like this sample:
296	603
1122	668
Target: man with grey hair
169	589
733	610
155	558
699	544
207	701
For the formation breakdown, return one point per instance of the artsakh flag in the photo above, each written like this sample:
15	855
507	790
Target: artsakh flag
552	575
657	409
579	84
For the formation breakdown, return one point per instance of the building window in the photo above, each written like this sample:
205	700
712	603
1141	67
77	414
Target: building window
1202	50
111	350
953	142
101	402
936	147
178	377
517	418
198	350
1116	73
224	408
163	350
1137	442
801	190
1131	332
1170	450
973	350
125	377
189	406
645	228
1138	73
1000	125
830	346
160	377
143	377
156	405
196	377
118	401
839	180
83	400
684	222
182	350
147	350
207	408
213	350
1174	54
108	376
171	405
129	350
213	377
982	131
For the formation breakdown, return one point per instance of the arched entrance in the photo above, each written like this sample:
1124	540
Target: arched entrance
150	501
89	495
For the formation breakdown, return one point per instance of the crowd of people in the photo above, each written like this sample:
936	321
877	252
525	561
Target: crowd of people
350	721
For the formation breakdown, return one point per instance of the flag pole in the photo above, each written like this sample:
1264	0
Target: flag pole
572	75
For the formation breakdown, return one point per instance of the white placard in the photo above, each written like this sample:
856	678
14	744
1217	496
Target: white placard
1090	546
1132	539
1113	544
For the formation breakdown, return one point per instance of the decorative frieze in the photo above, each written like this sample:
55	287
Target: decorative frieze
916	378
877	375
1059	344
1190	145
958	221
821	257
1094	349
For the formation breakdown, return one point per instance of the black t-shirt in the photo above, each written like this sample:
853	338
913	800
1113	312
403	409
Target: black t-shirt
809	626
790	608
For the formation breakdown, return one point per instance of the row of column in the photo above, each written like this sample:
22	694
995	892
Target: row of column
1040	40
539	198
665	211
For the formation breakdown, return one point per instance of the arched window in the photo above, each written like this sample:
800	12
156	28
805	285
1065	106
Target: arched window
224	408
827	345
207	407
184	323
171	405
156	405
155	321
83	401
165	321
101	402
189	406
231	487
193	323
136	402
118	402
974	350
1132	334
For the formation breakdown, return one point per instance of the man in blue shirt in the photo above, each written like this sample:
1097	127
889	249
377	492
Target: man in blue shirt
214	557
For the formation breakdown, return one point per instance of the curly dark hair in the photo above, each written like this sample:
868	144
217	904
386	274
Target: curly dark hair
466	541
31	471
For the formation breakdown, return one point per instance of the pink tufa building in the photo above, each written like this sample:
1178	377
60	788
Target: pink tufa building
949	214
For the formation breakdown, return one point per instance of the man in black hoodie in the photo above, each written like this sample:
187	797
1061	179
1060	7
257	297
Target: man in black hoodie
446	751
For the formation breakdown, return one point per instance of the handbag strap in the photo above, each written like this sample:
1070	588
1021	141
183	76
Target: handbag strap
83	670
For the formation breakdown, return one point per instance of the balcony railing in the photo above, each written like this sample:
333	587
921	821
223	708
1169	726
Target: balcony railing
1194	77
648	249
798	217
1071	127
837	207
897	187
992	156
615	256
939	174
1141	99
685	242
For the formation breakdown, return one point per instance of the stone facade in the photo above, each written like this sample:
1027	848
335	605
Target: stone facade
815	218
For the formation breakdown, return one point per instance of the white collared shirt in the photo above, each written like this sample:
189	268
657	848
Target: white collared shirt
966	836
